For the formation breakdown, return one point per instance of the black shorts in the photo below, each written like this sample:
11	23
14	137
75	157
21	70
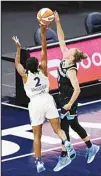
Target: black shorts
66	100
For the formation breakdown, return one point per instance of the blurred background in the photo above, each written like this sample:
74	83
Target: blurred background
19	18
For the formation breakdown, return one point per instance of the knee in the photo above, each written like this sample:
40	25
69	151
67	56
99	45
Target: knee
75	124
79	130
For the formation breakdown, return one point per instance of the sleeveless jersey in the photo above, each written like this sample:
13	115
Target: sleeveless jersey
36	84
64	83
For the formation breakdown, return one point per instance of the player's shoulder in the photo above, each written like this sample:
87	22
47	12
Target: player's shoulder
72	67
41	74
64	65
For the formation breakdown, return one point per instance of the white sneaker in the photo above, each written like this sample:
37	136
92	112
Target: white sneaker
91	152
40	166
62	162
70	150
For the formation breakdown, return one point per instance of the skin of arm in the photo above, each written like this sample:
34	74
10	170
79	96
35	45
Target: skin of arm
43	50
20	69
60	34
71	73
74	81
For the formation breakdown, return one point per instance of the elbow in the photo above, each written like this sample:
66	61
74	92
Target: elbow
78	90
16	63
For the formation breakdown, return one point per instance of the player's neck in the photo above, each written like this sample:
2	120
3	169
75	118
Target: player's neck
68	62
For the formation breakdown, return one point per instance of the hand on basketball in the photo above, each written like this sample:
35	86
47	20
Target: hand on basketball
67	106
16	40
43	27
56	15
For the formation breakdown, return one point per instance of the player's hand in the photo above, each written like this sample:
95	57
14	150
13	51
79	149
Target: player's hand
56	15
16	40
43	27
67	106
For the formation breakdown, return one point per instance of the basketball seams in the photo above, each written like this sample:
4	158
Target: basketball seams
39	15
43	11
49	18
44	22
45	16
47	13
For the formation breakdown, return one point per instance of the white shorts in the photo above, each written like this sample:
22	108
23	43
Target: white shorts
40	107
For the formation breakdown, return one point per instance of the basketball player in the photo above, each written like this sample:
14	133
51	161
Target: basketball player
69	91
42	105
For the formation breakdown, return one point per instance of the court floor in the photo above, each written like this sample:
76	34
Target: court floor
17	143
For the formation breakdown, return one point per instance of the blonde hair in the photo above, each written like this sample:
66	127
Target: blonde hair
79	56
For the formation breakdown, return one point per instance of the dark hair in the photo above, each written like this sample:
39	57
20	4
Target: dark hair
32	64
79	56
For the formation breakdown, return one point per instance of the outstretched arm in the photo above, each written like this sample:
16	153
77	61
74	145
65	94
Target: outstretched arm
60	33
43	50
18	65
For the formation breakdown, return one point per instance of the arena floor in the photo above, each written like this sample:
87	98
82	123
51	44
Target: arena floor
17	143
17	138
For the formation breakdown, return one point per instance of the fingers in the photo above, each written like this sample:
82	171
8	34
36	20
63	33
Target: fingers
56	13
43	27
15	38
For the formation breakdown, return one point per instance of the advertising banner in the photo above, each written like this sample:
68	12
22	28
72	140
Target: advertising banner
88	70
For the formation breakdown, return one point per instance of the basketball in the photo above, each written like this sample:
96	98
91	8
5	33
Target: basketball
45	16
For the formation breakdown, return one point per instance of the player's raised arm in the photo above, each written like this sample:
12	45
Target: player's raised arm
18	65
60	33
43	50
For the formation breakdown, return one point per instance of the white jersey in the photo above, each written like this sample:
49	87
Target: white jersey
36	84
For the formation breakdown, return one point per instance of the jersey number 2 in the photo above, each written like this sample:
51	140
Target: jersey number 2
37	79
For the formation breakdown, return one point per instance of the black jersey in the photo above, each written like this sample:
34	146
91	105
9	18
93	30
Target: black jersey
64	83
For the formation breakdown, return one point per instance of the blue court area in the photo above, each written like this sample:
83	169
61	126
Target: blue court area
17	143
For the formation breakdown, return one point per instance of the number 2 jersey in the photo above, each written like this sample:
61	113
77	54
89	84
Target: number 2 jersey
36	84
